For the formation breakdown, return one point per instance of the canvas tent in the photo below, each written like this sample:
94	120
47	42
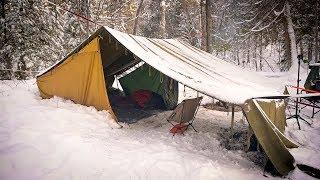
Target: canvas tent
85	75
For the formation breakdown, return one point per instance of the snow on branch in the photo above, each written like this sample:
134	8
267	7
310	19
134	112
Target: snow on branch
267	26
222	39
275	20
265	16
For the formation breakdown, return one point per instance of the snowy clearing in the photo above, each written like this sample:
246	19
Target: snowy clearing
57	139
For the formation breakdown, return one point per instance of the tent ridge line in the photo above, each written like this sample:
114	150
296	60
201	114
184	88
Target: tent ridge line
171	52
149	50
183	43
143	46
203	55
196	62
190	47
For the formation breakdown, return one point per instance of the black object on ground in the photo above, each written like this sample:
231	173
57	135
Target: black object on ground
311	171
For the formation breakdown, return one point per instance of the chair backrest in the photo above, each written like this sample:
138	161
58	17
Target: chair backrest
185	111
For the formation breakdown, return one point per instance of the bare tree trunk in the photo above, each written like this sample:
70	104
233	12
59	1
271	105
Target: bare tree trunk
254	54
279	50
301	46
7	62
248	50
316	50
7	75
82	8
163	7
290	41
287	43
260	52
316	55
3	15
310	47
287	51
193	38
290	61
204	45
238	59
136	20
87	16
208	26
21	74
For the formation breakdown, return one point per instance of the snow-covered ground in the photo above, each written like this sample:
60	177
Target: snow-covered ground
57	139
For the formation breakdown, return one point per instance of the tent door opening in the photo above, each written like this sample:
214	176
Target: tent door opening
143	92
129	110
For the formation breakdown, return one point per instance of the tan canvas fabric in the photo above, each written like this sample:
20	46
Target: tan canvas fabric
79	78
275	110
269	136
185	111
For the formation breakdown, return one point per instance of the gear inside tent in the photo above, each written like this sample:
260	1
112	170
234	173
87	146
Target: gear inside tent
144	92
147	79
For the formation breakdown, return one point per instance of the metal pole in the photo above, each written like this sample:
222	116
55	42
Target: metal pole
297	100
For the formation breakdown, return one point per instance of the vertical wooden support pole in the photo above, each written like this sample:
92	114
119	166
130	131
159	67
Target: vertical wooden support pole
232	116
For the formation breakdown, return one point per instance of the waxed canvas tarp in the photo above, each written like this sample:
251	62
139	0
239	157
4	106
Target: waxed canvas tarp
262	117
275	110
188	65
198	69
79	78
147	78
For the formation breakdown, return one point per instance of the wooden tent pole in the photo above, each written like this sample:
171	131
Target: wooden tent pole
232	116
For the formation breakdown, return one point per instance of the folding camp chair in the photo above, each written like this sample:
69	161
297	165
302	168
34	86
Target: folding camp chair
184	115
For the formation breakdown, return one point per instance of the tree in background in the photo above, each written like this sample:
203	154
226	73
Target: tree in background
259	34
30	38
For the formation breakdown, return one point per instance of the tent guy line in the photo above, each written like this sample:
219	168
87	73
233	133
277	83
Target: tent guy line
78	15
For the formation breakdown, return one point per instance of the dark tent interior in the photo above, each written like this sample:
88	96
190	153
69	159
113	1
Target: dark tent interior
135	89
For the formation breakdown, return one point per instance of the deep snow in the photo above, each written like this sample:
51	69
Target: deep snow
57	139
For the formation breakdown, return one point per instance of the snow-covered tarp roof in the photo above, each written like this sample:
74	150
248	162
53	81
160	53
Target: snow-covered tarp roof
194	68
198	69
